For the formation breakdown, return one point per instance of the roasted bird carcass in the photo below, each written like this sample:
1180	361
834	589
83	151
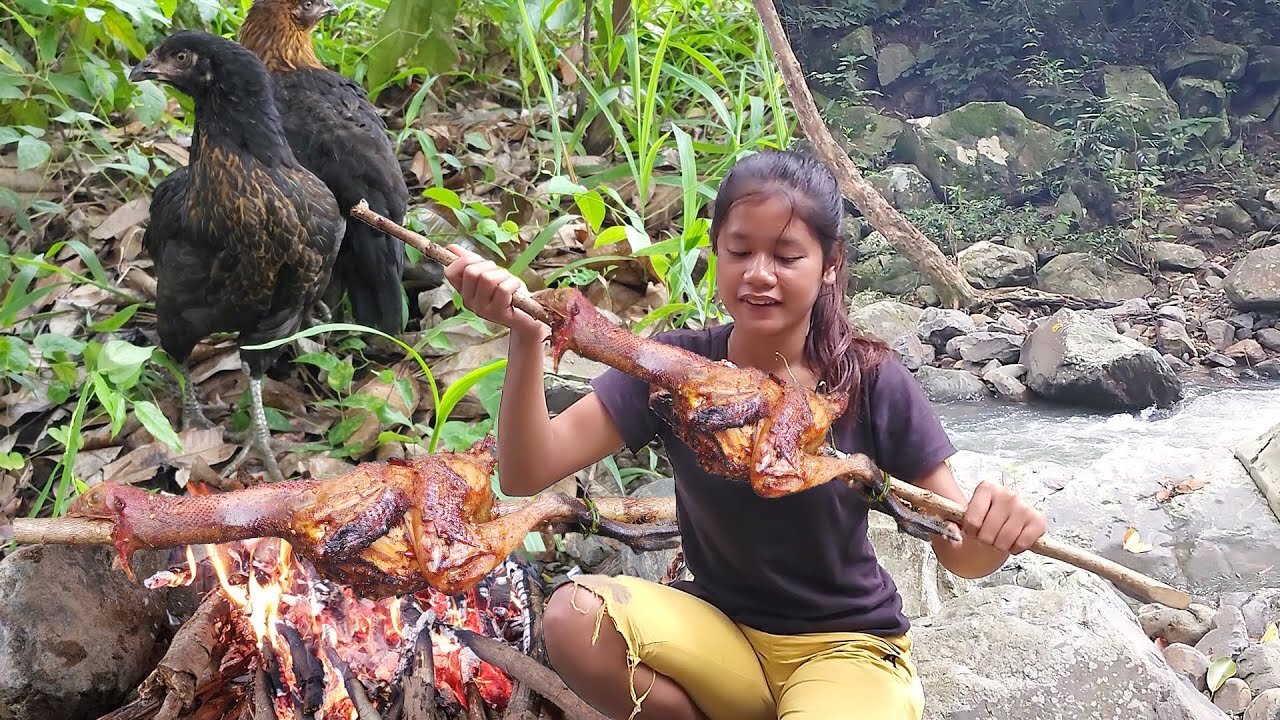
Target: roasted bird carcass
740	422
382	529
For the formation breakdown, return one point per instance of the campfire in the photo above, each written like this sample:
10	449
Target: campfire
272	639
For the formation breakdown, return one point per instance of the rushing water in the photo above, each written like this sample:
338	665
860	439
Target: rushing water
1209	416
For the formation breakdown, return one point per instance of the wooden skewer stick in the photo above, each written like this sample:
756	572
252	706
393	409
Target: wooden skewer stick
1130	581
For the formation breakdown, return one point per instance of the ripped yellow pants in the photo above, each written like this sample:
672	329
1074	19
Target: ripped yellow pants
734	672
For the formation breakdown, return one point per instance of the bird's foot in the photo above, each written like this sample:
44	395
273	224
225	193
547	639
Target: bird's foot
320	314
257	440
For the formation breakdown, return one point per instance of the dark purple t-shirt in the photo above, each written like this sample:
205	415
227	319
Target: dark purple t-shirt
799	563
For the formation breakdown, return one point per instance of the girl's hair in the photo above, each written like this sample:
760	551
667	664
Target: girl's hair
842	357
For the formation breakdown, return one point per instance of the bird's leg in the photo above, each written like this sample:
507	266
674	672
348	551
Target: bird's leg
508	531
192	413
320	314
258	437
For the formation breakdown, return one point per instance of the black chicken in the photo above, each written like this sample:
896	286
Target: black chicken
243	238
336	134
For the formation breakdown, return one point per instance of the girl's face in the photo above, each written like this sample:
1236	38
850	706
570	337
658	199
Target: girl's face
769	265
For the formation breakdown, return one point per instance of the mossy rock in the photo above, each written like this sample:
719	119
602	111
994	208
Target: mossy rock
983	148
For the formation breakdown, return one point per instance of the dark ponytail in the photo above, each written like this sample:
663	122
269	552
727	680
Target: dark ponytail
840	356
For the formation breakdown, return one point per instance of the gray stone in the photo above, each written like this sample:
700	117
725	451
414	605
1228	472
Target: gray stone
893	61
982	148
1142	98
1184	627
1009	323
1176	363
651	564
979	347
1220	333
1244	321
922	582
988	265
865	134
1204	99
1176	256
1206	57
75	634
914	353
1270	369
1259	608
942	385
1232	217
1088	277
1247	351
1005	380
1012	652
1219	360
1261	459
1259	665
886	320
1265	706
1172	312
1076	358
1268	338
1228	637
1189	663
938	325
904	186
1233	697
1172	338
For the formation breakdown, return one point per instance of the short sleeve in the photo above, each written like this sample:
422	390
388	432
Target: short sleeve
626	399
909	438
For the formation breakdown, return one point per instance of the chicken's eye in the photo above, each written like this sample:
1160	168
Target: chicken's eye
307	5
180	56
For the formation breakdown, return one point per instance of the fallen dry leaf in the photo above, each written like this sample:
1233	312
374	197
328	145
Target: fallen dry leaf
144	462
1271	634
126	216
1169	490
89	463
21	402
1133	542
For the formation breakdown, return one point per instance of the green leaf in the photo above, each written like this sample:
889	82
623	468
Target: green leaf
149	103
611	235
59	391
111	401
157	424
340	376
444	196
456	392
14	355
413	33
592	207
277	421
561	185
323	360
122	362
32	153
50	344
342	429
1220	670
116	321
11	461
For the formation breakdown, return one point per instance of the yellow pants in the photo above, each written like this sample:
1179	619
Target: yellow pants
733	672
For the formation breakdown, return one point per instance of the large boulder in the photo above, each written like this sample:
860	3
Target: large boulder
946	385
75	634
1254	282
1089	277
865	134
988	265
1147	107
886	320
983	148
1206	100
904	186
1013	652
1078	359
1205	57
1176	256
1261	458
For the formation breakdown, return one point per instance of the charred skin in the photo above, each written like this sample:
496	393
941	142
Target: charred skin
740	422
383	529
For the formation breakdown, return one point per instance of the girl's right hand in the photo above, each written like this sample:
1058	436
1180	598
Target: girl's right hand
488	290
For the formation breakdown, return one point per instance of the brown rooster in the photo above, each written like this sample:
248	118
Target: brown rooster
336	133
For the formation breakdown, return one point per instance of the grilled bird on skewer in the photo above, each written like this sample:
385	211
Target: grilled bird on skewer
382	529
740	422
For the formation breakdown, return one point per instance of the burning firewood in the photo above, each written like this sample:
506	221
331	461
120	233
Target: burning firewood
193	660
383	529
746	425
529	672
308	671
419	686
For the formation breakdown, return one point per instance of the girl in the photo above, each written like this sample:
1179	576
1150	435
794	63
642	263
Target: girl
789	614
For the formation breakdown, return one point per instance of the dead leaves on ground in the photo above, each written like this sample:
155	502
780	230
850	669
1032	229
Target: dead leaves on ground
1170	490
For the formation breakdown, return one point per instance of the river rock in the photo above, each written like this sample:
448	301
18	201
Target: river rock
651	564
865	134
75	634
1254	282
572	382
922	582
914	353
1259	665
1172	338
904	186
1009	323
1268	338
1079	359
943	385
1248	352
1229	635
983	148
988	265
1188	662
1204	99
1088	277
1231	216
1174	626
886	320
1269	368
938	325
1012	652
1220	333
1176	256
1142	98
1006	380
981	347
1265	706
1205	57
1260	608
1233	697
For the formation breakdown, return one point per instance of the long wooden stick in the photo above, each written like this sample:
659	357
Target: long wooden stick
1130	581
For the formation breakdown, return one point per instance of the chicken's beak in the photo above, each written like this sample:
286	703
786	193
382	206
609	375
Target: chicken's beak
145	70
328	8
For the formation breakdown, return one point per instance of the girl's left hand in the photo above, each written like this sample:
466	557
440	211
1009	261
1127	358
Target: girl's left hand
997	517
